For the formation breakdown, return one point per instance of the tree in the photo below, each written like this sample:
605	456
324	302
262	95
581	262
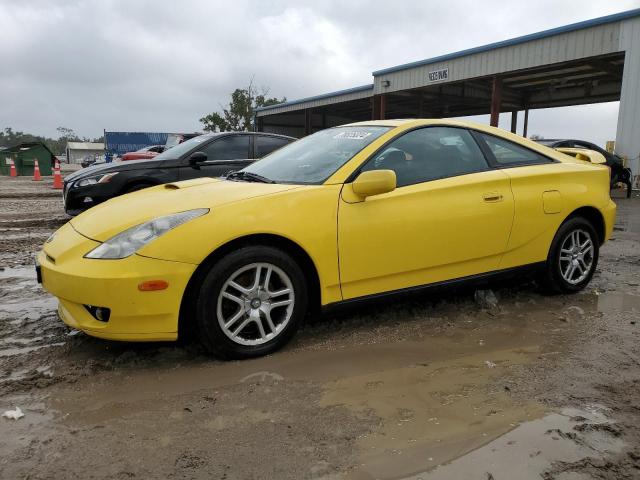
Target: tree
67	134
239	116
11	138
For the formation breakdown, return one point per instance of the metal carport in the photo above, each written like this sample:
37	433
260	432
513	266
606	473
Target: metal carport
593	61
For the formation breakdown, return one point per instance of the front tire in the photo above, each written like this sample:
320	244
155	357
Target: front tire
251	303
573	257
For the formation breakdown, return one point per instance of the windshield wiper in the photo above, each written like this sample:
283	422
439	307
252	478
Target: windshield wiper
248	177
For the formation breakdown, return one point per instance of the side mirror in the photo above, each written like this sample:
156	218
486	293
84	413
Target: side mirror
374	182
196	158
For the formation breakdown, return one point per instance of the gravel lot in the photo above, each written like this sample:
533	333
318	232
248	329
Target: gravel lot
441	386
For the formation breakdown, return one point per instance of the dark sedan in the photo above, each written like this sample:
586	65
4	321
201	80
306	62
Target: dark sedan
210	155
619	173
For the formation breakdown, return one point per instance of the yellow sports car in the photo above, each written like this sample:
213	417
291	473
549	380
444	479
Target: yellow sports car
347	213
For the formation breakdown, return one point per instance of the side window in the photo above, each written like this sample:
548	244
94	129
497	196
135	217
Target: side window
228	148
428	154
508	153
266	145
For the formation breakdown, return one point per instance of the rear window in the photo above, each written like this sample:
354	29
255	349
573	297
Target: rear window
266	145
177	151
508	153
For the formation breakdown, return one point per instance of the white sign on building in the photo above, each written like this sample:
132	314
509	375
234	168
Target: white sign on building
439	75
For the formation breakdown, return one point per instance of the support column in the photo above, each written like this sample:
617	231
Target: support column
379	107
627	132
308	116
514	121
526	122
496	100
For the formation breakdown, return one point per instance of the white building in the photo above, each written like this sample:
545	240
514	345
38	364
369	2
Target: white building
78	151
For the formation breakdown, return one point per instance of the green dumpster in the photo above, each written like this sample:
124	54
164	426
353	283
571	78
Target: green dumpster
5	161
24	157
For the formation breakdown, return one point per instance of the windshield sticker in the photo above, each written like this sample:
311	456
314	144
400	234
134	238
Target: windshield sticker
352	135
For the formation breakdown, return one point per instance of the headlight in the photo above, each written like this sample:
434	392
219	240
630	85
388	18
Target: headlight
102	178
130	241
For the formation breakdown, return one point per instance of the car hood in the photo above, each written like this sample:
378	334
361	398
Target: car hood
116	215
113	167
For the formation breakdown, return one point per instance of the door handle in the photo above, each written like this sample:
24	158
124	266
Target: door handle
492	197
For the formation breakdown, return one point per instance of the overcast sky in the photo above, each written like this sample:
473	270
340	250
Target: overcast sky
153	65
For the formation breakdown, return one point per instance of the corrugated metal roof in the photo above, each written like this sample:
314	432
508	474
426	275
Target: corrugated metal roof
85	146
616	17
327	97
347	91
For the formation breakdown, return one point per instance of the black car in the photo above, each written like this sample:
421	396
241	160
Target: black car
619	173
210	155
90	160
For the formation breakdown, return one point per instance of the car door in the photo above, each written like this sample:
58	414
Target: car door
449	217
224	154
536	184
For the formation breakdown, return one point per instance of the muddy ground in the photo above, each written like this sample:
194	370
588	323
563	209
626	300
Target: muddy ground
447	386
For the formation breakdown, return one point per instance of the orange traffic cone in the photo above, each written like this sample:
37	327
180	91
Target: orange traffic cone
57	178
36	172
12	171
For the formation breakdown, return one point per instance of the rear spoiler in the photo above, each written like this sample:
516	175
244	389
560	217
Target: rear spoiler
583	154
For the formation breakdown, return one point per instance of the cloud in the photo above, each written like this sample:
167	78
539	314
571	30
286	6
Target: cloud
160	66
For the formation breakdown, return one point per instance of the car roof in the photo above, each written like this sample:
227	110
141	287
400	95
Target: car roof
217	134
418	122
409	123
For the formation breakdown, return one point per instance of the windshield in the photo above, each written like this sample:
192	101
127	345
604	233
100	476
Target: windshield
173	139
315	158
176	152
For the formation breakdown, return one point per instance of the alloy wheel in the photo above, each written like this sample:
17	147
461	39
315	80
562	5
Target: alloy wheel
576	256
255	304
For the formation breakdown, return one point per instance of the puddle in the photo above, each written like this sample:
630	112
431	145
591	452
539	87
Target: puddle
25	236
21	341
628	225
11	352
532	447
18	272
432	413
618	301
508	343
32	310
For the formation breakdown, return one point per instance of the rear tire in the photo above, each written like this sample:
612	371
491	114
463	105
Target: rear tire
573	257
251	303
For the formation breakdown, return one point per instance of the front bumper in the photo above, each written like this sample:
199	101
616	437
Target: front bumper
78	199
135	315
